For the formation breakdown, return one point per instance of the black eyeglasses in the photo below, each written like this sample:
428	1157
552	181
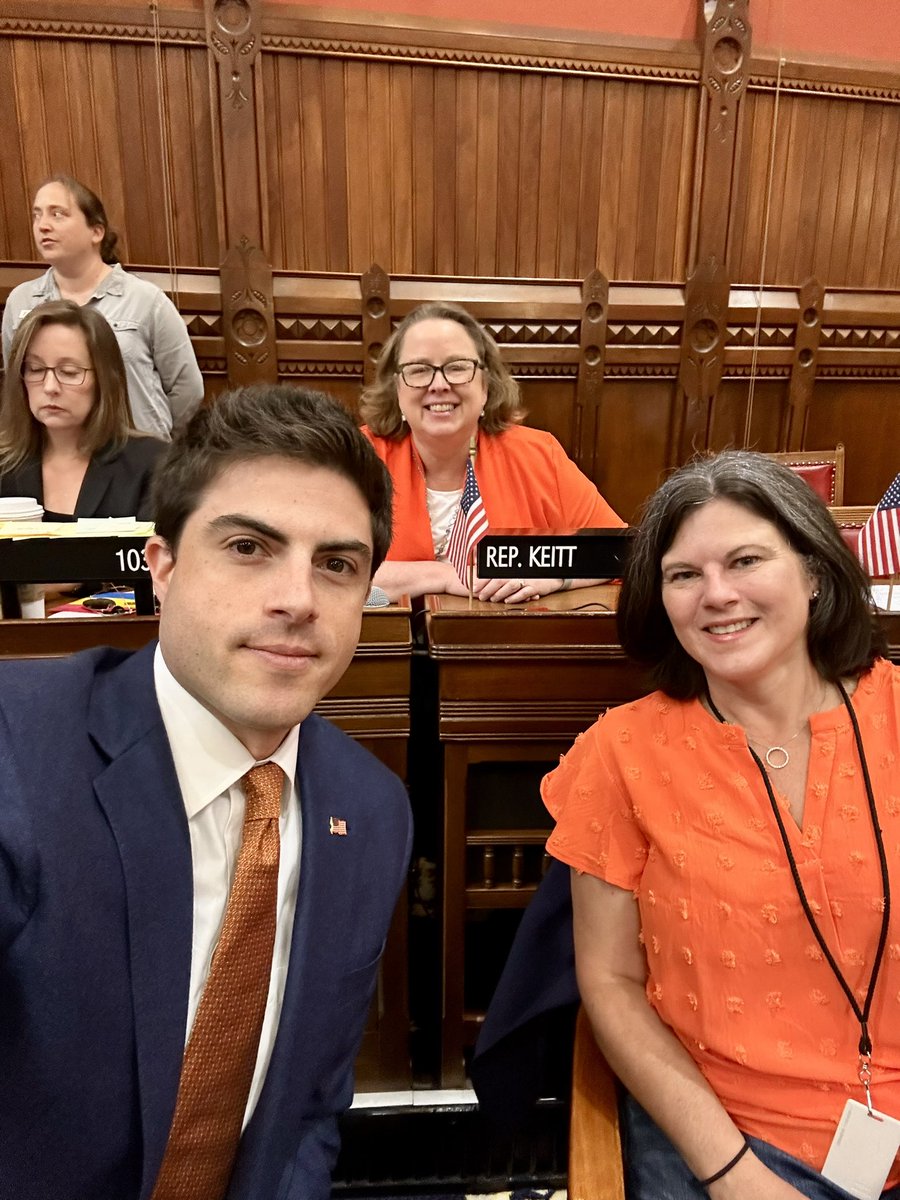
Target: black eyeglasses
421	375
64	373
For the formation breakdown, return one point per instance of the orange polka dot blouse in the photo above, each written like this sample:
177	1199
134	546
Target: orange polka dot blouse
660	798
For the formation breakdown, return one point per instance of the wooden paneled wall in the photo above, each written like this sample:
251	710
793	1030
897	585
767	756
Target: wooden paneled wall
438	171
91	106
501	170
834	211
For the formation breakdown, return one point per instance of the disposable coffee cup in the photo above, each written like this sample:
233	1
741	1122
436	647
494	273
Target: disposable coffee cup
20	508
25	508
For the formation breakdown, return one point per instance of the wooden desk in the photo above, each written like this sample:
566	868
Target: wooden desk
516	684
371	703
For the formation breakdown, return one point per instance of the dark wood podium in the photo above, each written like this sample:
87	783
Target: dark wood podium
515	684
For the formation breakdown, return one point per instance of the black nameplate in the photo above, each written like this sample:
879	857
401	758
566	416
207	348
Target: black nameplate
47	560
583	554
57	560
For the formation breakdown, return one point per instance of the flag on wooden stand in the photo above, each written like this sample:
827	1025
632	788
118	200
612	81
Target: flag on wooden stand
470	524
879	539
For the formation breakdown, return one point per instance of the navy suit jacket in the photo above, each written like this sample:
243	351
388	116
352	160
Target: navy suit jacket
95	940
116	483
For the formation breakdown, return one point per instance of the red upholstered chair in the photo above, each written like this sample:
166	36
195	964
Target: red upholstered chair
850	521
595	1152
823	470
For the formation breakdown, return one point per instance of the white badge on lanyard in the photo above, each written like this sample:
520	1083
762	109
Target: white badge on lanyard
866	1141
863	1150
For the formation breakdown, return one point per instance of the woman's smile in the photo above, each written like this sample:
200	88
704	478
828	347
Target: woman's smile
736	593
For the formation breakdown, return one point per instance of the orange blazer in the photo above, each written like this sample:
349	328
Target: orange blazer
526	480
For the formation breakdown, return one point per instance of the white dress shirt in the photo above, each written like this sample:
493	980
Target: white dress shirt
210	763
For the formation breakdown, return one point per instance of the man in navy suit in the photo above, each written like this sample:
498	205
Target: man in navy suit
121	810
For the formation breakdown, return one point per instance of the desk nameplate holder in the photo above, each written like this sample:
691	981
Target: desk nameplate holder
49	560
526	554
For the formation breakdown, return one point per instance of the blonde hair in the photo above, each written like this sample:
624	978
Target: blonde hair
378	404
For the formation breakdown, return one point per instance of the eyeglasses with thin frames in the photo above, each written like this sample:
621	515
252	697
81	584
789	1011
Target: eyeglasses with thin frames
455	373
65	374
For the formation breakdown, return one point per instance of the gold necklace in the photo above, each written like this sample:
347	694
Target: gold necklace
780	748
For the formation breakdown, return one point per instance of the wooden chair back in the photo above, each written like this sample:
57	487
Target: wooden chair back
823	470
595	1151
850	520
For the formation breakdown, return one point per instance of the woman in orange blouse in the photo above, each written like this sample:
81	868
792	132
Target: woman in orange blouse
751	808
442	406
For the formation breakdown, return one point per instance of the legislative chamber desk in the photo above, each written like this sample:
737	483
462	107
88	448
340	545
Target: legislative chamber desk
516	684
371	703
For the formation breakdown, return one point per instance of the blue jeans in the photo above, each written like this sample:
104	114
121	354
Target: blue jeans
654	1170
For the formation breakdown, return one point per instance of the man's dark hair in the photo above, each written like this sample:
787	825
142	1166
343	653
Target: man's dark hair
843	635
264	421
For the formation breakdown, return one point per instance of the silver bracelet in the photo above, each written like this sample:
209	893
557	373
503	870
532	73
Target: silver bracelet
566	584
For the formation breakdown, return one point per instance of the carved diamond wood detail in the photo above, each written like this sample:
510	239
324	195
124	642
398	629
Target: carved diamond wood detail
203	324
540	333
853	337
769	335
643	335
318	329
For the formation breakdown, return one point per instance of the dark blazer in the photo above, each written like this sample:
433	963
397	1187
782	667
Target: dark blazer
524	1049
95	939
116	484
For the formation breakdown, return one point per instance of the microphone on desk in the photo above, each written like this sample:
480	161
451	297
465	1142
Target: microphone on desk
377	598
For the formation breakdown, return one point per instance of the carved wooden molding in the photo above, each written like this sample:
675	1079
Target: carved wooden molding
54	19
464	57
644	334
594	314
726	49
769	335
315	370
803	367
247	315
375	292
533	333
725	53
619	371
761	371
856	371
653	64
702	358
543	370
824	86
83	29
502	652
202	324
318	329
860	337
233	38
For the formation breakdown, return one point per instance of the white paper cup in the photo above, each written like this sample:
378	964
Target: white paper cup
31	601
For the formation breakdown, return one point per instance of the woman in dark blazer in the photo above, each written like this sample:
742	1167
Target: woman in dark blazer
66	436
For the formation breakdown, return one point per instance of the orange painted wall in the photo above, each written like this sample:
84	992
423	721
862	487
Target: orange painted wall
803	29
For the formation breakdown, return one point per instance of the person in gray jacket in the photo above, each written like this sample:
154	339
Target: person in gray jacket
72	234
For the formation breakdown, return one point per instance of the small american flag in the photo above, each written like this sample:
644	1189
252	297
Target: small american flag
470	524
337	826
879	538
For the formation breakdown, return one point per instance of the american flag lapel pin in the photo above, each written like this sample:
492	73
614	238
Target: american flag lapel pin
337	826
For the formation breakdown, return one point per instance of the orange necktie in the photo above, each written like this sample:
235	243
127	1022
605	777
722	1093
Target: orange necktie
221	1052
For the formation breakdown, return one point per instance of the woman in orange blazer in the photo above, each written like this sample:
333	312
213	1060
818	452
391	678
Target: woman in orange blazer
443	409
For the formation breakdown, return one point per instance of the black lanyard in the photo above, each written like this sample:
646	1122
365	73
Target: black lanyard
861	1014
